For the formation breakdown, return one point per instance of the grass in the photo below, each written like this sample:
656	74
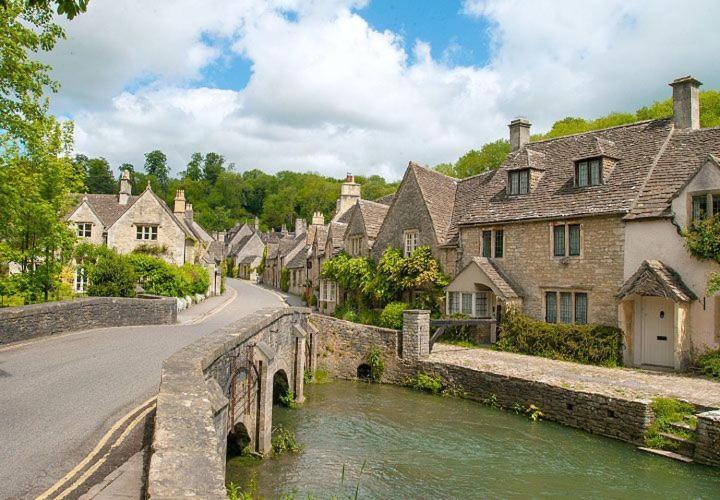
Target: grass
668	411
283	440
319	376
427	383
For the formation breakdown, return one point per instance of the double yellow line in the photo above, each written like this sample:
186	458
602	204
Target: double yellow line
139	413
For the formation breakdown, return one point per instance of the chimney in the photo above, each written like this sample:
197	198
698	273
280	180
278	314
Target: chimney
300	226
686	102
188	211
221	236
257	223
125	188
283	230
519	133
349	195
180	207
318	219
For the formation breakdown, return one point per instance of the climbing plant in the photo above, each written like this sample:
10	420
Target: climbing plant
702	240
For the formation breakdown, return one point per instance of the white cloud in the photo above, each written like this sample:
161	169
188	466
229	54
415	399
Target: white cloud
330	93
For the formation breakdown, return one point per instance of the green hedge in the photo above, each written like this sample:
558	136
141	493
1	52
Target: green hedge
392	315
111	275
709	363
591	344
157	277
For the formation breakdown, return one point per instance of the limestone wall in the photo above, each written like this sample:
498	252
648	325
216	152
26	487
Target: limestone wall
37	320
707	438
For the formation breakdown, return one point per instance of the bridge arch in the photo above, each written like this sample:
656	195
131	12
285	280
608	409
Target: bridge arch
281	385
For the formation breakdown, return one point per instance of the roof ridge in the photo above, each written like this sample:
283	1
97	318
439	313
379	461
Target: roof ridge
624	125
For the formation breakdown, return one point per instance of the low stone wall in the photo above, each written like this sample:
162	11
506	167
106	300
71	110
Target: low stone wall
707	438
37	320
215	385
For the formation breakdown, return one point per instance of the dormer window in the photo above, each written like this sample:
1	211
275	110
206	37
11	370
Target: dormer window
519	181
588	172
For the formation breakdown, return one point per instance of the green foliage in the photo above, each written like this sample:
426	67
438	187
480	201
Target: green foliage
344	311
668	411
98	175
591	344
319	376
151	249
288	400
158	277
156	167
352	274
392	315
490	156
261	267
283	440
285	279
67	8
194	167
702	240
377	366
709	363
111	276
427	383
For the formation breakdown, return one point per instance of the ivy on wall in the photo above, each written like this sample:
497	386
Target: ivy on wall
702	240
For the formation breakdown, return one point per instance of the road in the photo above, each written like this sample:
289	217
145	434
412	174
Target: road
58	395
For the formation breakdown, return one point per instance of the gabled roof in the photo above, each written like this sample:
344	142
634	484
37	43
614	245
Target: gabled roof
438	193
484	199
336	232
105	206
502	286
373	214
683	157
655	279
321	237
386	200
298	261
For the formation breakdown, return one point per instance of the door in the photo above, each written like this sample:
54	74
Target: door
658	331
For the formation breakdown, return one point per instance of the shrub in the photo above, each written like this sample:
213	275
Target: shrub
591	344
285	279
111	276
668	411
427	383
392	315
197	276
377	365
151	249
369	317
161	278
288	400
283	440
709	363
313	300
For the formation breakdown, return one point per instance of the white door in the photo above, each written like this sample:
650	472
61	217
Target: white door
658	326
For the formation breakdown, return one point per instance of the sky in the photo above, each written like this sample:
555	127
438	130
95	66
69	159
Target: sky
361	86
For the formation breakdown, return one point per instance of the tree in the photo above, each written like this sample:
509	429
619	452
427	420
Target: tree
213	167
194	167
99	179
157	168
68	8
489	157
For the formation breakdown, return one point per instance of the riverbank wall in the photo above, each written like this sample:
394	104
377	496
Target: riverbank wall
40	320
344	346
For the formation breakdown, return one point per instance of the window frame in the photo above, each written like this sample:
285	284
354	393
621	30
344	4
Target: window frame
492	242
80	280
515	186
84	229
355	245
710	197
455	303
410	239
146	232
587	176
565	228
556	316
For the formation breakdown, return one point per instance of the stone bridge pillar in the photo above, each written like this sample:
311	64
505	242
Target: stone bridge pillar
299	362
416	334
264	356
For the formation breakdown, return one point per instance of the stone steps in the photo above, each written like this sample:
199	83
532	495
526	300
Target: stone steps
667	454
684	446
682	426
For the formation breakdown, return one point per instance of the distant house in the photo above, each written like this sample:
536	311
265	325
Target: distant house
364	223
126	222
245	249
328	297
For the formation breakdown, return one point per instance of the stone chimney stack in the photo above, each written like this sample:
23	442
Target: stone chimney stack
189	212
257	223
349	195
125	188
300	226
180	205
686	102
283	230
519	133
318	219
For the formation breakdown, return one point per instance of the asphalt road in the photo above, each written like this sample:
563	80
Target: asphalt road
59	395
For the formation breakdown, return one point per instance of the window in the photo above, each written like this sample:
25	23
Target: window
499	235
467	303
147	232
328	291
84	229
80	281
411	241
588	172
473	304
453	302
519	181
566	240
486	243
355	245
568	307
482	304
705	205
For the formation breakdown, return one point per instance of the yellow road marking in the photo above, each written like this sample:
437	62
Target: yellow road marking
103	441
213	312
88	473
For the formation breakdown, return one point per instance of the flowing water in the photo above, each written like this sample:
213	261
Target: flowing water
389	442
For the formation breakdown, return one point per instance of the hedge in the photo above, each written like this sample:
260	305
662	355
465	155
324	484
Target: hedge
160	278
590	344
392	315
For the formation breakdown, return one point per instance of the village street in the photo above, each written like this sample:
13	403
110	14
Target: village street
58	395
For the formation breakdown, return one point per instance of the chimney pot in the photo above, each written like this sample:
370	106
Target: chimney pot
125	188
180	205
519	133
686	102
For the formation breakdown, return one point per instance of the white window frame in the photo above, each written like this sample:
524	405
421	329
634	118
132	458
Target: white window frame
328	291
454	303
84	229
410	240
146	232
80	279
355	245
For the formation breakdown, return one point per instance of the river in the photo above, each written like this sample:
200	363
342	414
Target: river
390	442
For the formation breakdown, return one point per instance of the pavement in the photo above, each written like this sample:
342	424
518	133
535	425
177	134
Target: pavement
629	383
60	395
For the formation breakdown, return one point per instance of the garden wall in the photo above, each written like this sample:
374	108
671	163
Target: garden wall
707	438
37	320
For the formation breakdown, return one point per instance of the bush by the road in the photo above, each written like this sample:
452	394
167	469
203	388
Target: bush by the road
392	315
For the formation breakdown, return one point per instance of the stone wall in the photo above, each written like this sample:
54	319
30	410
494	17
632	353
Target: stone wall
37	320
707	438
213	387
529	263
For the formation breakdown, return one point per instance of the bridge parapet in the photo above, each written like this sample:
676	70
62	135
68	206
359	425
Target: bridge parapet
220	385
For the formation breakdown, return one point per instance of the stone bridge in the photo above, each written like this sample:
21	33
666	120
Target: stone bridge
221	389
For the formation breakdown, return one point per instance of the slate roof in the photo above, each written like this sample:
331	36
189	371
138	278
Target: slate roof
386	200
336	231
373	215
106	207
653	278
502	283
683	157
321	235
483	198
298	261
237	247
438	192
